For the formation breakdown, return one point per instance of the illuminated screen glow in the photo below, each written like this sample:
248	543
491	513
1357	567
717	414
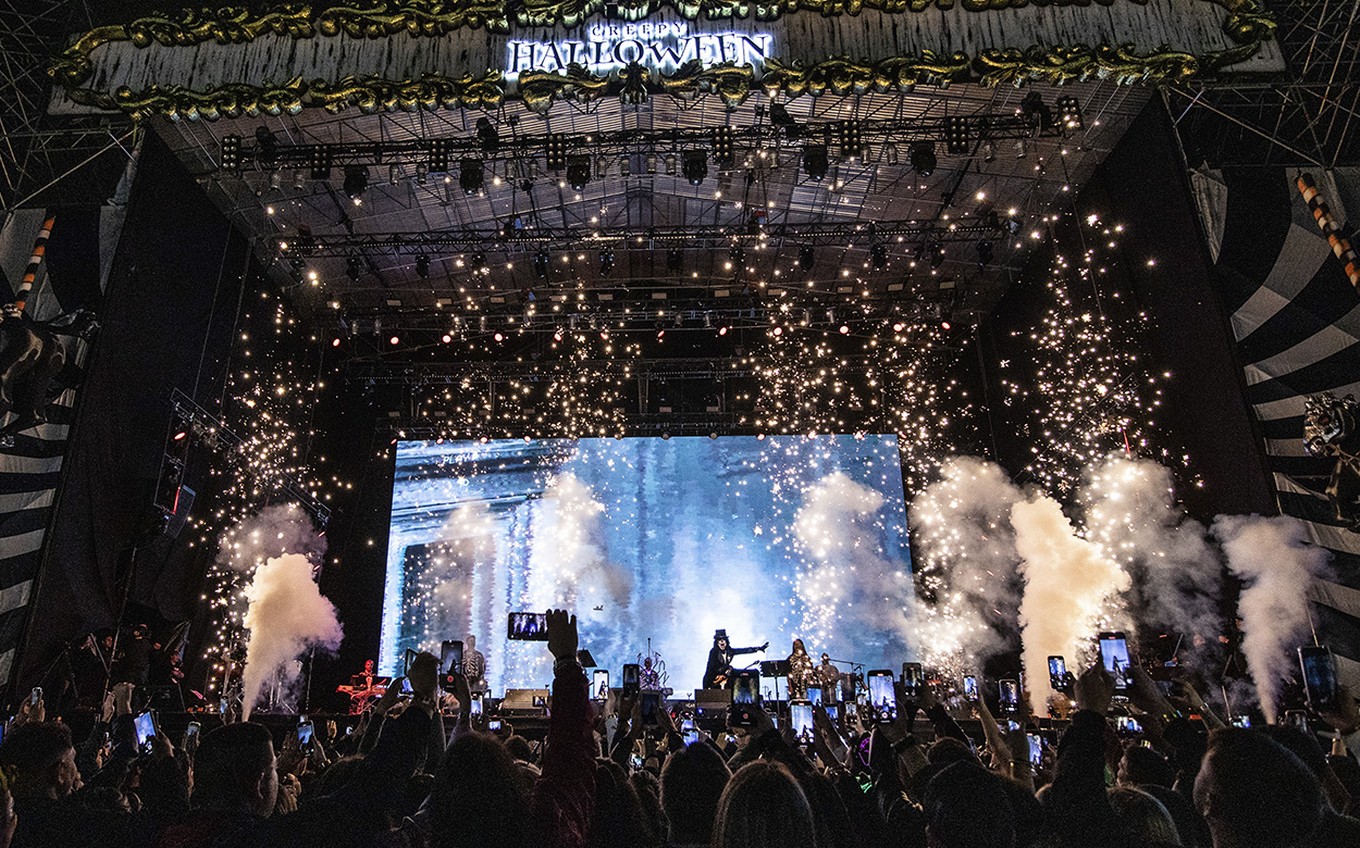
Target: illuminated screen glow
654	544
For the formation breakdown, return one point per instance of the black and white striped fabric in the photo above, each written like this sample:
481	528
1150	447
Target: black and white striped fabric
1296	319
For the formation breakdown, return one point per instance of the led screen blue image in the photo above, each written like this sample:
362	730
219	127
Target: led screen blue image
654	544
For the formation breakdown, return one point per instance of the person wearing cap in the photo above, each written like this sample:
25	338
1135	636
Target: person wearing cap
719	672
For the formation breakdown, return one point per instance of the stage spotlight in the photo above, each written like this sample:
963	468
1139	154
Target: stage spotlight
937	256
557	151
985	253
471	176
850	138
956	135
354	266
439	156
989	151
878	257
356	181
487	135
422	266
541	263
806	255
723	154
815	161
230	159
606	263
923	159
675	260
322	159
695	166
266	146
1069	108
578	171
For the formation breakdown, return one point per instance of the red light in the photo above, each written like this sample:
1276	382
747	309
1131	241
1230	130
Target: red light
945	325
180	435
722	332
394	340
335	342
845	330
499	337
446	338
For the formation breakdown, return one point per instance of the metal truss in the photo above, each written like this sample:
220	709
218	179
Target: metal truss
1308	117
38	151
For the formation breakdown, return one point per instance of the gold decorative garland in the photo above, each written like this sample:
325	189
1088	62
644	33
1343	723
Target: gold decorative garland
634	84
1247	23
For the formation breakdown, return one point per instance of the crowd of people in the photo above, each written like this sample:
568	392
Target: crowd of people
402	779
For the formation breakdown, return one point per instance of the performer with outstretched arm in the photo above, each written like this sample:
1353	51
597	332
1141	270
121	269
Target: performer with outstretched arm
718	675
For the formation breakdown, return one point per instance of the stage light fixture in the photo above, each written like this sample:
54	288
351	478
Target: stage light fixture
937	256
541	264
487	135
557	151
471	175
422	266
780	117
230	159
1069	108
578	171
321	162
1035	112
723	154
356	181
297	268
695	166
478	262
670	164
878	257
923	160
737	254
266	146
890	155
851	139
675	260
354	266
439	155
957	135
606	263
985	253
806	255
815	161
989	151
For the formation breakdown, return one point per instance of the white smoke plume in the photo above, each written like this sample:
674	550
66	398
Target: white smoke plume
1131	511
848	582
1068	583
567	563
1277	567
272	532
286	616
966	558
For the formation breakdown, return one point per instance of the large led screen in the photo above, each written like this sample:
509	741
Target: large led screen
654	544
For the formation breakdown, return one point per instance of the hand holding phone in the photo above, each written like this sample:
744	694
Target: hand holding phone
1114	655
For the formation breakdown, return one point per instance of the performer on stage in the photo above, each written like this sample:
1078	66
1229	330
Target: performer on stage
828	676
474	666
800	670
719	672
649	679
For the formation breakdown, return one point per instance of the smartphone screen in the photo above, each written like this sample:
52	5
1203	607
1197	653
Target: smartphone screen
814	695
746	687
451	657
145	727
913	679
970	690
476	705
833	712
304	733
691	736
1127	726
1009	694
651	705
493	724
1036	748
800	719
528	626
1319	677
1114	653
192	731
599	685
881	695
630	680
1057	673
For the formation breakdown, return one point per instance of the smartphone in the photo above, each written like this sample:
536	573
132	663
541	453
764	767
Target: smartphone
1243	721
406	688
800	719
493	724
1296	718
599	686
35	696
476	706
745	697
970	690
851	711
305	730
406	660
192	731
630	680
145	727
1036	747
1057	673
1127	726
1114	653
451	657
881	695
650	702
833	712
814	695
690	736
1008	693
528	626
1319	677
913	679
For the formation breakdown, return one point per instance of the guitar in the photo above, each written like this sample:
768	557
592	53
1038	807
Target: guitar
721	679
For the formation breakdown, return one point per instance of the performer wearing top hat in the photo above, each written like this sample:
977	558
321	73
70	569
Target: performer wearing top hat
719	672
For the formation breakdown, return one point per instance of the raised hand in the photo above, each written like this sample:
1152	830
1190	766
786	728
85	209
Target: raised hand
764	646
562	638
1095	689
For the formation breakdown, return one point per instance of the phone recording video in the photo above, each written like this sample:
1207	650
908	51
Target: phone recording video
1008	692
145	727
1057	673
450	663
745	697
1319	677
1127	726
630	680
833	712
1036	747
1114	654
493	724
305	731
651	707
476	705
881	695
800	719
970	690
599	685
528	626
814	695
913	679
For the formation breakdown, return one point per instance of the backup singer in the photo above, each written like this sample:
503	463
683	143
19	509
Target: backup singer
800	670
718	675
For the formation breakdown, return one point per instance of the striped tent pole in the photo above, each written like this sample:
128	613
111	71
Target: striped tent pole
34	262
1330	228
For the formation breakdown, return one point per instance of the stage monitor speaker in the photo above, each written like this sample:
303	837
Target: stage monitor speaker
524	700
